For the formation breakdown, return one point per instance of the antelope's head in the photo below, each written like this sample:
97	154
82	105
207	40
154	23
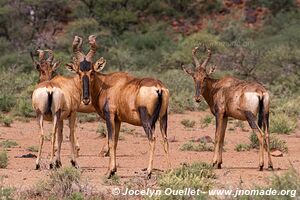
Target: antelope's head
45	67
200	73
84	67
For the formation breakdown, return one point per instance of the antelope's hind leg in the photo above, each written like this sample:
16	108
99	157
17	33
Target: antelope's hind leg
252	122
59	141
163	129
146	123
41	124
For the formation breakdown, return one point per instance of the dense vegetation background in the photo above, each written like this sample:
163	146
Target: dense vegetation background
251	39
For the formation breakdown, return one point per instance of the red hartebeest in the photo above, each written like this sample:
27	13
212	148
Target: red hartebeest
56	100
47	71
119	97
231	97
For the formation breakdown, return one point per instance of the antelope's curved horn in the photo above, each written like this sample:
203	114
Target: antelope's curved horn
50	55
93	49
77	43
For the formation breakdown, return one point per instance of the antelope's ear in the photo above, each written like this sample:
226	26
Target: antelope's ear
99	65
187	70
55	66
211	70
72	67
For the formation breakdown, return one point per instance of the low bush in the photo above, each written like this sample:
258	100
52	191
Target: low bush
196	146
3	159
282	124
195	176
188	123
8	143
242	147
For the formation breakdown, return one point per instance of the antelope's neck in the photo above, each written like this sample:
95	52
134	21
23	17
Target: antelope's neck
209	91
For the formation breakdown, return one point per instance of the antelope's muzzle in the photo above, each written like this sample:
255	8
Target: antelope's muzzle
86	90
198	92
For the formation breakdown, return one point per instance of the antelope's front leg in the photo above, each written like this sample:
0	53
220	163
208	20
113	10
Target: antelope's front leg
72	121
218	138
112	139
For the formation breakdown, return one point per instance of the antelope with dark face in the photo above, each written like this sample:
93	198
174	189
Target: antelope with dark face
55	100
119	97
231	97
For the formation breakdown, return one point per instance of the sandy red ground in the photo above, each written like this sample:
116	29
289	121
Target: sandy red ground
239	168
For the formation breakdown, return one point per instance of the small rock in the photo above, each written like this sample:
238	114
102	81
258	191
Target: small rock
19	170
205	139
172	139
277	153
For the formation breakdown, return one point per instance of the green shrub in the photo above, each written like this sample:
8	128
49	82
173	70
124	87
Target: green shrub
195	176
87	117
33	148
281	123
6	120
196	146
7	102
242	147
8	143
102	130
205	121
114	180
3	159
6	193
188	123
275	143
76	196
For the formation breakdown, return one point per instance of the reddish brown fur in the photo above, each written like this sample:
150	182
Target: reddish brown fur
61	97
119	97
231	97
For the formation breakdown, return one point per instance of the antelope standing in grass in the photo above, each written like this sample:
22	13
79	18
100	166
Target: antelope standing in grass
56	100
119	97
231	97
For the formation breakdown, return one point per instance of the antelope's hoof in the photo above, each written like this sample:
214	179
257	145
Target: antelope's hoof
37	166
58	164
74	164
149	175
261	168
270	168
110	174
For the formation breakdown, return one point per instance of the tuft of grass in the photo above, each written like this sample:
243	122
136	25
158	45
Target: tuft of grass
101	130
282	124
3	159
196	146
242	147
33	148
114	180
275	143
188	123
87	117
6	120
205	121
289	181
8	144
6	193
198	175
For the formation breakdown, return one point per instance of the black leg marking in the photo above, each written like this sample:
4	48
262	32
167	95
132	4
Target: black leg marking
260	113
216	115
155	114
107	119
251	119
145	118
164	122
